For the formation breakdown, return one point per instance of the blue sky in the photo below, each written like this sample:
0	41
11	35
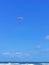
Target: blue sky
28	41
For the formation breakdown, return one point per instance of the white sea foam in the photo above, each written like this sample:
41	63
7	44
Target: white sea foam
14	64
23	64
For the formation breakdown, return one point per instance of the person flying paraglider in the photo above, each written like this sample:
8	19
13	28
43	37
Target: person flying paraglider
19	19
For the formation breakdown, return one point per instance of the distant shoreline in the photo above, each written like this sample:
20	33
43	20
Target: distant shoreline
24	62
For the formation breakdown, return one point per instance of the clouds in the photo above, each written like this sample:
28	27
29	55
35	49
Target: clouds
21	56
11	54
18	53
35	53
47	37
39	46
15	54
6	53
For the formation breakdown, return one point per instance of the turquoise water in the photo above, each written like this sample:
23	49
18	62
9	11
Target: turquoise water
24	63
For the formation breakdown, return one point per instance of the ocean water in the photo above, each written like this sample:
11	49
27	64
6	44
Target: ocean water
24	63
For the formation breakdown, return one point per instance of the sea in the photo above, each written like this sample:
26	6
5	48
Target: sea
25	63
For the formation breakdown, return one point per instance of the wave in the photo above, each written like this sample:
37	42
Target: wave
14	64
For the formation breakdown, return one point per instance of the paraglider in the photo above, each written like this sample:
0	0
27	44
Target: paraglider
19	19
